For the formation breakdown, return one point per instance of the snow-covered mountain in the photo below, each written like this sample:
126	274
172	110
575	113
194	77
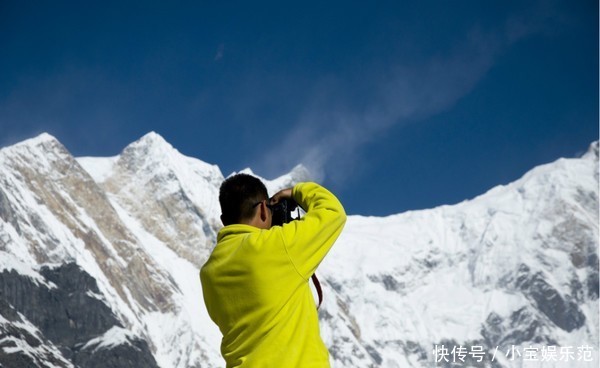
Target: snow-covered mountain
99	261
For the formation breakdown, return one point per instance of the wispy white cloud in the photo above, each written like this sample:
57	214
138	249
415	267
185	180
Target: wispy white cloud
328	138
330	134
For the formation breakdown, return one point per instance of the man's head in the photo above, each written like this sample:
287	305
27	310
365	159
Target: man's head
243	200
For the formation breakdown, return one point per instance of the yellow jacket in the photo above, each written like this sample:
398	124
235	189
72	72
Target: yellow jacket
255	285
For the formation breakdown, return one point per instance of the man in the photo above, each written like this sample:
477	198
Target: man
255	283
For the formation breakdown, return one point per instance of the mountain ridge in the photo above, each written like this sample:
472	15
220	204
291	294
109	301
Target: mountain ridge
516	265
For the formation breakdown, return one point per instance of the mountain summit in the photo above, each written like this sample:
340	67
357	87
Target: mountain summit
99	261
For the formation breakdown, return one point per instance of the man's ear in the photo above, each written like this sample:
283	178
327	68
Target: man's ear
263	211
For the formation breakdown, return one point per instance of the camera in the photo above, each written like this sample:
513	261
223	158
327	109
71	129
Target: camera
282	212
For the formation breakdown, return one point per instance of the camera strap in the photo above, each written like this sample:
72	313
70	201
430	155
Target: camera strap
317	284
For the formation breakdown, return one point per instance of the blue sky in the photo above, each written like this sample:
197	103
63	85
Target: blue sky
394	105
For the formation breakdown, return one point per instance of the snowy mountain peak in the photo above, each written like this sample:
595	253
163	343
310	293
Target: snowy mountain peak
152	181
43	153
300	173
151	145
43	141
153	139
43	138
155	156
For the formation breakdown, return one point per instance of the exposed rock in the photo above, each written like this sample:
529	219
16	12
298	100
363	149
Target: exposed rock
561	310
68	315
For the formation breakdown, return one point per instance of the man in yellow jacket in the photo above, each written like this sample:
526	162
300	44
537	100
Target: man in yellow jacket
255	283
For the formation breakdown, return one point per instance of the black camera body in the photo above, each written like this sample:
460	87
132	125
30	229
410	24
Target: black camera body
282	212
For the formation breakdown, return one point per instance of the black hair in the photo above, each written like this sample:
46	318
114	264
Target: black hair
238	196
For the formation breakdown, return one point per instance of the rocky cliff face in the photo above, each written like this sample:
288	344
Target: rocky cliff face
63	315
99	261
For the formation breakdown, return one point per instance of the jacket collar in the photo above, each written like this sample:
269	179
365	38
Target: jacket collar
236	229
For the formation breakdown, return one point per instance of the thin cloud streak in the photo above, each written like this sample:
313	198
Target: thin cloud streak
327	140
328	137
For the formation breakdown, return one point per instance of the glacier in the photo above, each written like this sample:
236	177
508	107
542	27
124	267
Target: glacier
99	262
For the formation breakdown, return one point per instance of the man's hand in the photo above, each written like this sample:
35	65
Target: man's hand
281	196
